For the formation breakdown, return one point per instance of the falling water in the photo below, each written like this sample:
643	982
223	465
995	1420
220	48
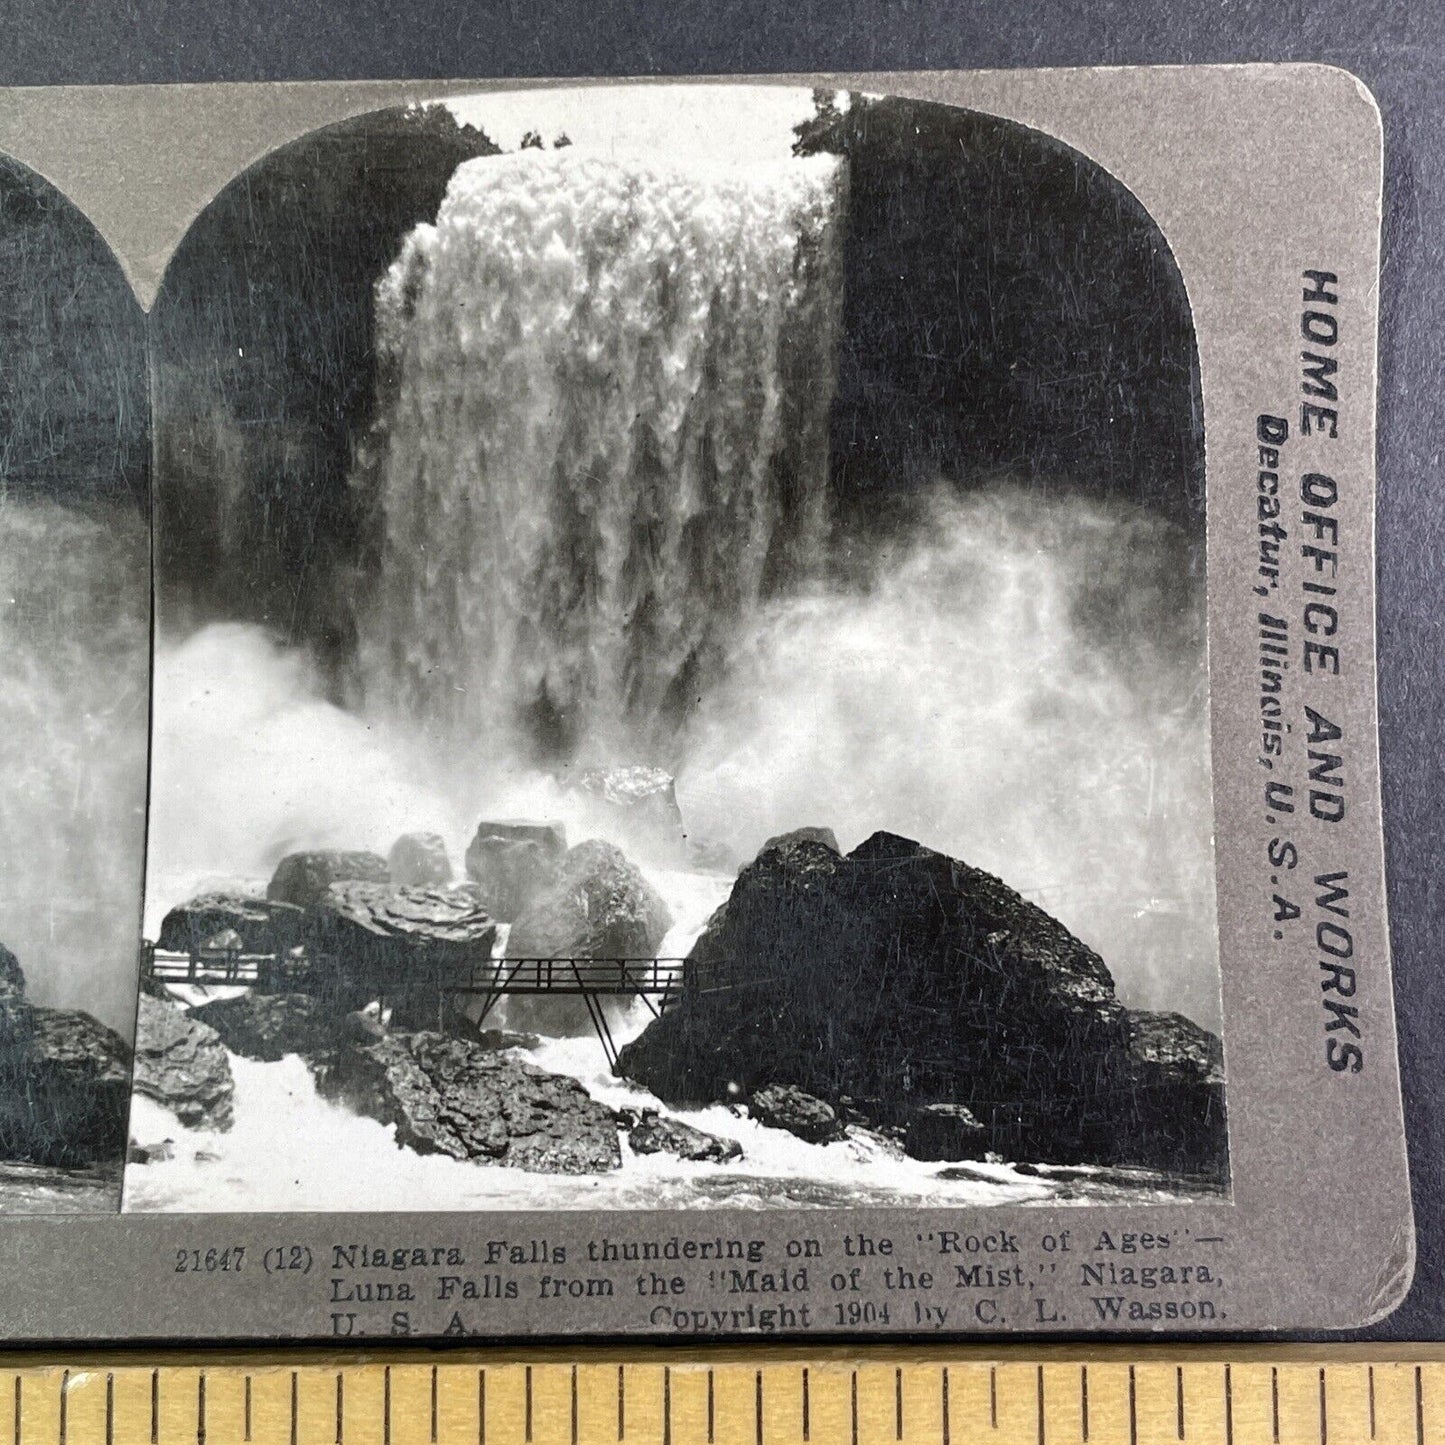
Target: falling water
74	609
597	480
602	443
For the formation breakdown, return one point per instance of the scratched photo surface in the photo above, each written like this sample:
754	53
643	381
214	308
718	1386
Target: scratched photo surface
680	670
74	638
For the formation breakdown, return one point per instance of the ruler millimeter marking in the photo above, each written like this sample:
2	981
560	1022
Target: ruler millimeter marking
732	1401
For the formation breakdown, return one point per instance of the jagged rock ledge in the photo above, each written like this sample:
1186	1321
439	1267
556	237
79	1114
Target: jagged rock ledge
180	1062
451	1096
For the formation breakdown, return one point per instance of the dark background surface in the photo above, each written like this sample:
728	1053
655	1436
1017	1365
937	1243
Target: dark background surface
74	414
1396	47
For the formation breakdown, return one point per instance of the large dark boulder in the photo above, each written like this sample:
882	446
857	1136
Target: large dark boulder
357	914
903	977
370	940
262	925
782	1106
1171	1103
419	860
450	1096
270	1026
548	835
655	1134
303	878
180	1062
636	803
64	1087
600	907
512	862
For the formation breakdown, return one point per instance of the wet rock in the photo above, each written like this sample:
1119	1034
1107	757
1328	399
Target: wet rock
968	1174
782	1106
856	1111
1171	1102
1169	1048
64	1081
600	907
180	1062
826	836
12	976
902	978
637	803
419	860
151	1153
403	943
254	925
945	1131
545	834
354	917
64	1086
303	878
653	1134
364	1026
270	1026
512	862
508	1039
451	1096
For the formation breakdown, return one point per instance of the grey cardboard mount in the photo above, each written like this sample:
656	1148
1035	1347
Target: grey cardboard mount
1260	203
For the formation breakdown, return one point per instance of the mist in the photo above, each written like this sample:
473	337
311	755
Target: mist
1020	683
74	623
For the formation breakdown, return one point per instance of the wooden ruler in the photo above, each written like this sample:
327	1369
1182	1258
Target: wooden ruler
731	1397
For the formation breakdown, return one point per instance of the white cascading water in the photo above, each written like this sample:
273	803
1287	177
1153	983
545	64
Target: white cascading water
599	475
602	442
74	623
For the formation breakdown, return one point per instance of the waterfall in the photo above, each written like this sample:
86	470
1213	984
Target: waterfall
74	613
600	445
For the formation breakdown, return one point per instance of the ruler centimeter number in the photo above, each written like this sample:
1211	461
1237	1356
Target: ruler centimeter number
733	1401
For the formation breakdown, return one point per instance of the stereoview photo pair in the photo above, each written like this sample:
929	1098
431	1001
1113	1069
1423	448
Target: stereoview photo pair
756	678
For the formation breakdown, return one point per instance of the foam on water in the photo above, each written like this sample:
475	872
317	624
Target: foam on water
290	1149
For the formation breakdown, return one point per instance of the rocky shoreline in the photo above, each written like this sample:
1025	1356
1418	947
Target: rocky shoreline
64	1082
891	992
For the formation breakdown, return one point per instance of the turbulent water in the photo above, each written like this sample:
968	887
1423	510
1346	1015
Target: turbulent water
74	623
598	476
602	441
291	1150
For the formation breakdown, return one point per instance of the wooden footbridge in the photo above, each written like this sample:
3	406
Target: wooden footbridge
455	975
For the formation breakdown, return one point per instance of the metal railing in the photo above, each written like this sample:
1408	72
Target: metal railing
610	976
449	972
210	965
458	973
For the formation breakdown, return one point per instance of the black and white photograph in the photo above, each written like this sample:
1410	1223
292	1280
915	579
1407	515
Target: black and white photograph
680	673
75	638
